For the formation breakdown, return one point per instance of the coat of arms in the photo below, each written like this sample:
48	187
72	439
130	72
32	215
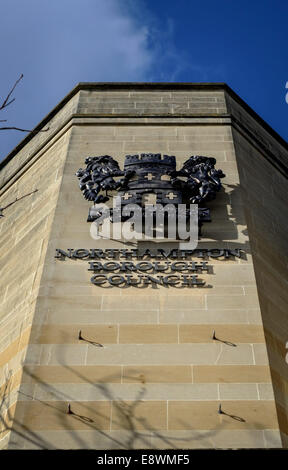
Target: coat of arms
150	179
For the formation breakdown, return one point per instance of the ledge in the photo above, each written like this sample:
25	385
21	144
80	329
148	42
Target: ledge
112	86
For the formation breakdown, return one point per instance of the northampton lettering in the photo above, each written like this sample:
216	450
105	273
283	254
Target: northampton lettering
136	268
109	253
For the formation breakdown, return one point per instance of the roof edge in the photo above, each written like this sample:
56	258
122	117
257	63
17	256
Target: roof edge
106	86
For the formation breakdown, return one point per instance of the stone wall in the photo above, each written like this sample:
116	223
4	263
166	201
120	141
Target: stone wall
156	377
264	195
24	237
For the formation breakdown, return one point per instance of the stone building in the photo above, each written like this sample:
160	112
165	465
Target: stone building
84	366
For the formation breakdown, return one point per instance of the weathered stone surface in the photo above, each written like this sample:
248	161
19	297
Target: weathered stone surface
147	372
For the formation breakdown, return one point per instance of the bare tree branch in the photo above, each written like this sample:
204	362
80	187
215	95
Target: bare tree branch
16	200
6	102
23	130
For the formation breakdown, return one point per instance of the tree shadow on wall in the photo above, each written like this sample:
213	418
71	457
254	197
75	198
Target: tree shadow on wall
138	431
8	423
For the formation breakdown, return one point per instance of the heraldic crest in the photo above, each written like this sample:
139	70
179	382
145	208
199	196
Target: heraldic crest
151	179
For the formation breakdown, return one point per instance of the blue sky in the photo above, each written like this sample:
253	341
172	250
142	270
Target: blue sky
59	43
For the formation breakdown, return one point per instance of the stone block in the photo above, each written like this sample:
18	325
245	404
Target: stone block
231	374
143	334
69	334
71	374
157	374
231	333
170	354
254	415
53	416
61	354
238	391
204	316
139	415
207	439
